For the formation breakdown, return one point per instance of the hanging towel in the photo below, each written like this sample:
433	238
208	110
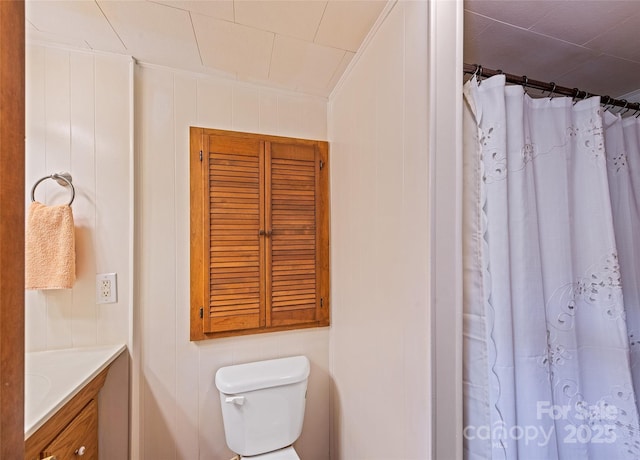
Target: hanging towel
50	248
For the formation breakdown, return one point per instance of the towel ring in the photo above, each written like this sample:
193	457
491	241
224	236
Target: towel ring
63	179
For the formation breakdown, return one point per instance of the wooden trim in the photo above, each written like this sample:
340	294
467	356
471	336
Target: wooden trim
323	201
197	232
261	137
264	330
39	440
268	226
12	190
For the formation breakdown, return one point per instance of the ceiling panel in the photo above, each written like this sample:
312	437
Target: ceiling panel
516	51
235	38
604	75
521	13
73	22
346	23
233	48
303	65
474	25
219	9
299	19
154	33
581	22
590	45
622	41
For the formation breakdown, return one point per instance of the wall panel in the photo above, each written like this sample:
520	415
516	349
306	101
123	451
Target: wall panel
187	397
84	321
180	408
77	120
380	240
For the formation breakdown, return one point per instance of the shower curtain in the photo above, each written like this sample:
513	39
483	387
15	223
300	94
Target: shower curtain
551	193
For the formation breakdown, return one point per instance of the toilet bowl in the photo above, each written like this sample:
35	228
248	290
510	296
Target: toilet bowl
263	406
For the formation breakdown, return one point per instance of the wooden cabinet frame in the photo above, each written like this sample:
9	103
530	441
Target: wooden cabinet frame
268	196
12	133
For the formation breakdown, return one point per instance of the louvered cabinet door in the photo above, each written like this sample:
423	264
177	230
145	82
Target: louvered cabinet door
259	223
292	216
235	218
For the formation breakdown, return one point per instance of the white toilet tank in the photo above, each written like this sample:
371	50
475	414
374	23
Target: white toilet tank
263	403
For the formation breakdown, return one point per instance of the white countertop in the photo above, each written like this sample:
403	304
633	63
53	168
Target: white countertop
53	377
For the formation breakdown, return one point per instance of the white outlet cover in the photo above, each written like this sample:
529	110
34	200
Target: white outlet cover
106	288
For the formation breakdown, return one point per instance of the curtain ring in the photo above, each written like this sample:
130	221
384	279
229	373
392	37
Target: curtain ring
524	85
626	103
576	91
606	103
479	70
553	88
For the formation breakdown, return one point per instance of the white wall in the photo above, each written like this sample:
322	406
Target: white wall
380	330
176	407
77	120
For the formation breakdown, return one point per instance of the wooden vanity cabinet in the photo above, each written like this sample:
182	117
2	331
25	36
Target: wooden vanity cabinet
72	432
79	438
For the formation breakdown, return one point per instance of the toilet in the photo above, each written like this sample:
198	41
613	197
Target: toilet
263	406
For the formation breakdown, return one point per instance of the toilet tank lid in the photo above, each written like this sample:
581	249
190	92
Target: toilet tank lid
262	374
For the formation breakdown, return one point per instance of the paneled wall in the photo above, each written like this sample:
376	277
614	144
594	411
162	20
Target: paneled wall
77	120
176	405
380	333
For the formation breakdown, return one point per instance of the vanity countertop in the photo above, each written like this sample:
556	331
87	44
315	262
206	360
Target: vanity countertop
53	377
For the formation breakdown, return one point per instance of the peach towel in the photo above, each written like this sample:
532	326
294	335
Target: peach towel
50	248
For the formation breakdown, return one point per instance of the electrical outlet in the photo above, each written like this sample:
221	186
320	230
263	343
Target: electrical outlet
106	288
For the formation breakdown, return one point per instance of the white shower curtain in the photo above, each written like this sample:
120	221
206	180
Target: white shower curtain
547	371
622	146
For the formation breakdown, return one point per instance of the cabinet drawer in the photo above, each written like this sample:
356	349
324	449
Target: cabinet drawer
81	432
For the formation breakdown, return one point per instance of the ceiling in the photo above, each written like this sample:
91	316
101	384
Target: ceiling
299	45
590	45
305	45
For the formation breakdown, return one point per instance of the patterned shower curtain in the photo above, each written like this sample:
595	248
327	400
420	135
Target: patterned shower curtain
549	335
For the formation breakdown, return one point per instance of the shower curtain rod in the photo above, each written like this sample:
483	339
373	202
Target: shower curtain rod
551	87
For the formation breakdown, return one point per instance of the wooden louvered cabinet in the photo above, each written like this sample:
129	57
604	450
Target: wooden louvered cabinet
259	233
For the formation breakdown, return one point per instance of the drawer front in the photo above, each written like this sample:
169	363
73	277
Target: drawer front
79	440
